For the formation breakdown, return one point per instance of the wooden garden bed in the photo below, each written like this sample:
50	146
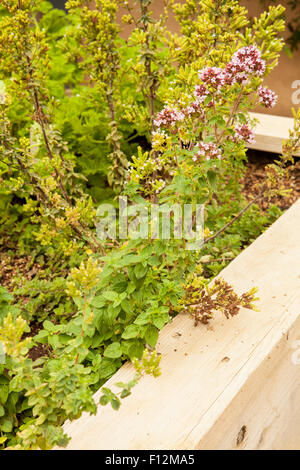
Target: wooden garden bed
270	132
231	385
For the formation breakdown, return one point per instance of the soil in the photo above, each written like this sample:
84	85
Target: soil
255	173
12	267
40	350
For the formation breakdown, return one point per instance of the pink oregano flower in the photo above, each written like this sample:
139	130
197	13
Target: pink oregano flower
267	97
243	133
169	117
245	62
206	151
200	93
213	76
193	108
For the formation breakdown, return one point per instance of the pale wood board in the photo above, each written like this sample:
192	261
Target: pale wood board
202	400
270	131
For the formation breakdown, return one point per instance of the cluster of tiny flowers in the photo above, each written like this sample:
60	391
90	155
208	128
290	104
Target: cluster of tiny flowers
243	133
267	97
194	107
168	117
244	62
200	92
213	76
207	151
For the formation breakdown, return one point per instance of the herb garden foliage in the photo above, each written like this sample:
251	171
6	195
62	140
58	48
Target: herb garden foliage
84	115
293	25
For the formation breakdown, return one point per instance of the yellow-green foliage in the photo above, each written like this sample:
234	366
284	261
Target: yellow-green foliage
213	29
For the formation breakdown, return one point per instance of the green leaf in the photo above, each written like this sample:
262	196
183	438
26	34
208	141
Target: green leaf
49	326
146	252
42	336
110	295
6	424
115	403
4	391
221	123
136	350
107	368
54	342
98	301
113	351
131	259
125	393
142	319
151	335
104	400
126	306
213	120
242	118
131	287
140	271
212	178
160	319
131	331
154	260
73	327
44	7
113	311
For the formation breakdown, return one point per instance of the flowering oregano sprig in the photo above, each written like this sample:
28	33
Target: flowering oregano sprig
169	117
243	133
206	122
206	151
245	62
153	61
267	97
214	78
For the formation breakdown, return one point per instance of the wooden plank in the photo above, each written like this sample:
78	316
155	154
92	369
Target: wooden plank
231	385
266	410
270	132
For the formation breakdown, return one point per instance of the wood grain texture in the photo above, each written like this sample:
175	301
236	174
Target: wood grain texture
270	132
231	385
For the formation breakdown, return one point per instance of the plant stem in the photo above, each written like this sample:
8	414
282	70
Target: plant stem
152	86
212	237
41	120
233	112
